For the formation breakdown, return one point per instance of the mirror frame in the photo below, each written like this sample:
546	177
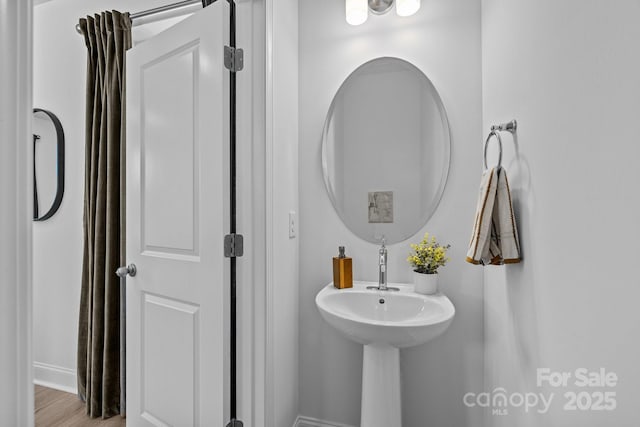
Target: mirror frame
447	155
57	201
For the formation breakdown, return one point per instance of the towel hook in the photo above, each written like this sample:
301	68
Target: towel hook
486	144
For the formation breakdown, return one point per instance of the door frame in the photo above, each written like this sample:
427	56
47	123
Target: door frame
254	328
256	313
16	392
255	150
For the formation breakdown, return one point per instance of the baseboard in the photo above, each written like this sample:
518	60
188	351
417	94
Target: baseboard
303	421
55	377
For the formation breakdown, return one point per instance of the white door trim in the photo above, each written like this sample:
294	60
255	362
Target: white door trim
16	388
254	107
252	222
269	149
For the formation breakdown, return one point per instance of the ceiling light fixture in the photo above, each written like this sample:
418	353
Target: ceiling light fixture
380	6
407	7
357	11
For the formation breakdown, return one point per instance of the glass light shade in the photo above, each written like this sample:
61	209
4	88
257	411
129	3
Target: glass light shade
407	7
357	11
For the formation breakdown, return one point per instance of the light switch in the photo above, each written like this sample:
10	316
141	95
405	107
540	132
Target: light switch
292	225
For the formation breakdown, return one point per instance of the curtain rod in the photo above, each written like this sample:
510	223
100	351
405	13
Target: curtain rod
160	9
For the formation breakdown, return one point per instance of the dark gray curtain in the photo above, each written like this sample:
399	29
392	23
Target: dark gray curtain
107	36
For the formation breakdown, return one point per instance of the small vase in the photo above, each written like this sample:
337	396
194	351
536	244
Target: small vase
425	284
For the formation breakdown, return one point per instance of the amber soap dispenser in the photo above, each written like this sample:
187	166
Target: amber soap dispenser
342	272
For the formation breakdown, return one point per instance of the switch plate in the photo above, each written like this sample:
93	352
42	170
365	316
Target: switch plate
292	225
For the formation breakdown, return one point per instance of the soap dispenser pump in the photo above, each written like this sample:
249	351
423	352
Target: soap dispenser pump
342	270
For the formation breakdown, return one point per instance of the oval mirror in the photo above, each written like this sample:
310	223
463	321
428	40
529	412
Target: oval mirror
48	164
385	150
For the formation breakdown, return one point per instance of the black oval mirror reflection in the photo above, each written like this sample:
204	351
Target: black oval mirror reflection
48	164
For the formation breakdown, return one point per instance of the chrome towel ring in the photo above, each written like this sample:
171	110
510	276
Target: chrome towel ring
511	127
486	144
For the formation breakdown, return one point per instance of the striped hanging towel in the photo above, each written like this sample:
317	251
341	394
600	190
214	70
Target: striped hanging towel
495	235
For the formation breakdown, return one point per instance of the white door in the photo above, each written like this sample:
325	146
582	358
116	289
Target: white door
177	192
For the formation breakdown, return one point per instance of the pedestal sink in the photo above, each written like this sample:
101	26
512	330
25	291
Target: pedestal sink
384	322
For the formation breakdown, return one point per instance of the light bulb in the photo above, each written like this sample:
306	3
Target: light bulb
407	7
357	11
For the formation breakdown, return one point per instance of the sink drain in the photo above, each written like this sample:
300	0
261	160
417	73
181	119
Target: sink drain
381	301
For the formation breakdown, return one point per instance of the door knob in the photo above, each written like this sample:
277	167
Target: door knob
130	270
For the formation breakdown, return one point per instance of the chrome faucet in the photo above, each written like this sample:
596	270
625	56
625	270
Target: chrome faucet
382	269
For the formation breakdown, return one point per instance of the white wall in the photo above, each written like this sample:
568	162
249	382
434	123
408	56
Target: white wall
568	72
443	40
59	86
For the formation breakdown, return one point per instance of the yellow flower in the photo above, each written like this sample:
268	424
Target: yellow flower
428	255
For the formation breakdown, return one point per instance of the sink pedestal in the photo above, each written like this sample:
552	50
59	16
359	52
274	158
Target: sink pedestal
384	322
381	405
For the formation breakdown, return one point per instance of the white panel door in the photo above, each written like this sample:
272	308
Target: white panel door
177	190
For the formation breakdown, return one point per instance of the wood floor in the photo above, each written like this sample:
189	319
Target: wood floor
59	409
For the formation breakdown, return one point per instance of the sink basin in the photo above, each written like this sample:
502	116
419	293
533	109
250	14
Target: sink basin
384	322
399	319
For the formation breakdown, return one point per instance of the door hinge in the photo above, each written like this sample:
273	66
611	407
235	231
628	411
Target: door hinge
233	245
233	59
